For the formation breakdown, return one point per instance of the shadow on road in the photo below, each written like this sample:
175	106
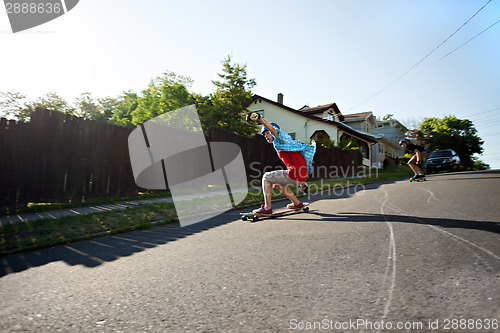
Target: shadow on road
100	250
441	222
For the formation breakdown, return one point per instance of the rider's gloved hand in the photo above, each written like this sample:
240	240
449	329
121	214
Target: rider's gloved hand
252	116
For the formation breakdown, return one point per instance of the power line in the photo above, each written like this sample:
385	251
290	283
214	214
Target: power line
425	57
474	114
463	44
486	121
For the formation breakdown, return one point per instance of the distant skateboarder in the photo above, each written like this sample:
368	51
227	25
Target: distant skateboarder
417	154
296	155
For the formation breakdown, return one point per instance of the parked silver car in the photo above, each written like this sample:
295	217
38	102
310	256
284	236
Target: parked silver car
446	159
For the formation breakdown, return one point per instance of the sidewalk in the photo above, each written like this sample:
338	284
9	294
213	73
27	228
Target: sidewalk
58	213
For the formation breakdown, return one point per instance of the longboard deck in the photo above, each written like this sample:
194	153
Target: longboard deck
422	179
278	212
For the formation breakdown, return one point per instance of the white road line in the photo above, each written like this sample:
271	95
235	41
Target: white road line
432	196
391	260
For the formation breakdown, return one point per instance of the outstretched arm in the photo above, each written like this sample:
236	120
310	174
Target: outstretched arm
268	126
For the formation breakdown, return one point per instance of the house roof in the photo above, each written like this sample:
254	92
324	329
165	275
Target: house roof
393	121
357	116
368	136
323	108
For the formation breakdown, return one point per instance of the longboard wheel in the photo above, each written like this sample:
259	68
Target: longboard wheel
255	218
306	210
244	218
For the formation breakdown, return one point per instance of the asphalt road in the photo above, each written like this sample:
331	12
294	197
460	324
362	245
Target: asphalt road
392	257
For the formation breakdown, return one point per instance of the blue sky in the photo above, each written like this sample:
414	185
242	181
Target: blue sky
313	52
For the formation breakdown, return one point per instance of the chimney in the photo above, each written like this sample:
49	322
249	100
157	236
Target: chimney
280	98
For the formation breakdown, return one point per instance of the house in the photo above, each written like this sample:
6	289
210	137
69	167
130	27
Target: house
321	123
394	131
365	124
386	148
364	121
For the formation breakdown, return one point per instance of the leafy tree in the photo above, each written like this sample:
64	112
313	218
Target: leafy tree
90	108
480	165
227	107
165	93
388	116
14	104
108	106
206	110
52	101
453	133
122	113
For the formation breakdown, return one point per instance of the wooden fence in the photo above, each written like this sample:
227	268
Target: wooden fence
61	158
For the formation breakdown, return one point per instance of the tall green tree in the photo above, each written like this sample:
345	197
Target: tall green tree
165	93
122	113
453	133
227	107
108	106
